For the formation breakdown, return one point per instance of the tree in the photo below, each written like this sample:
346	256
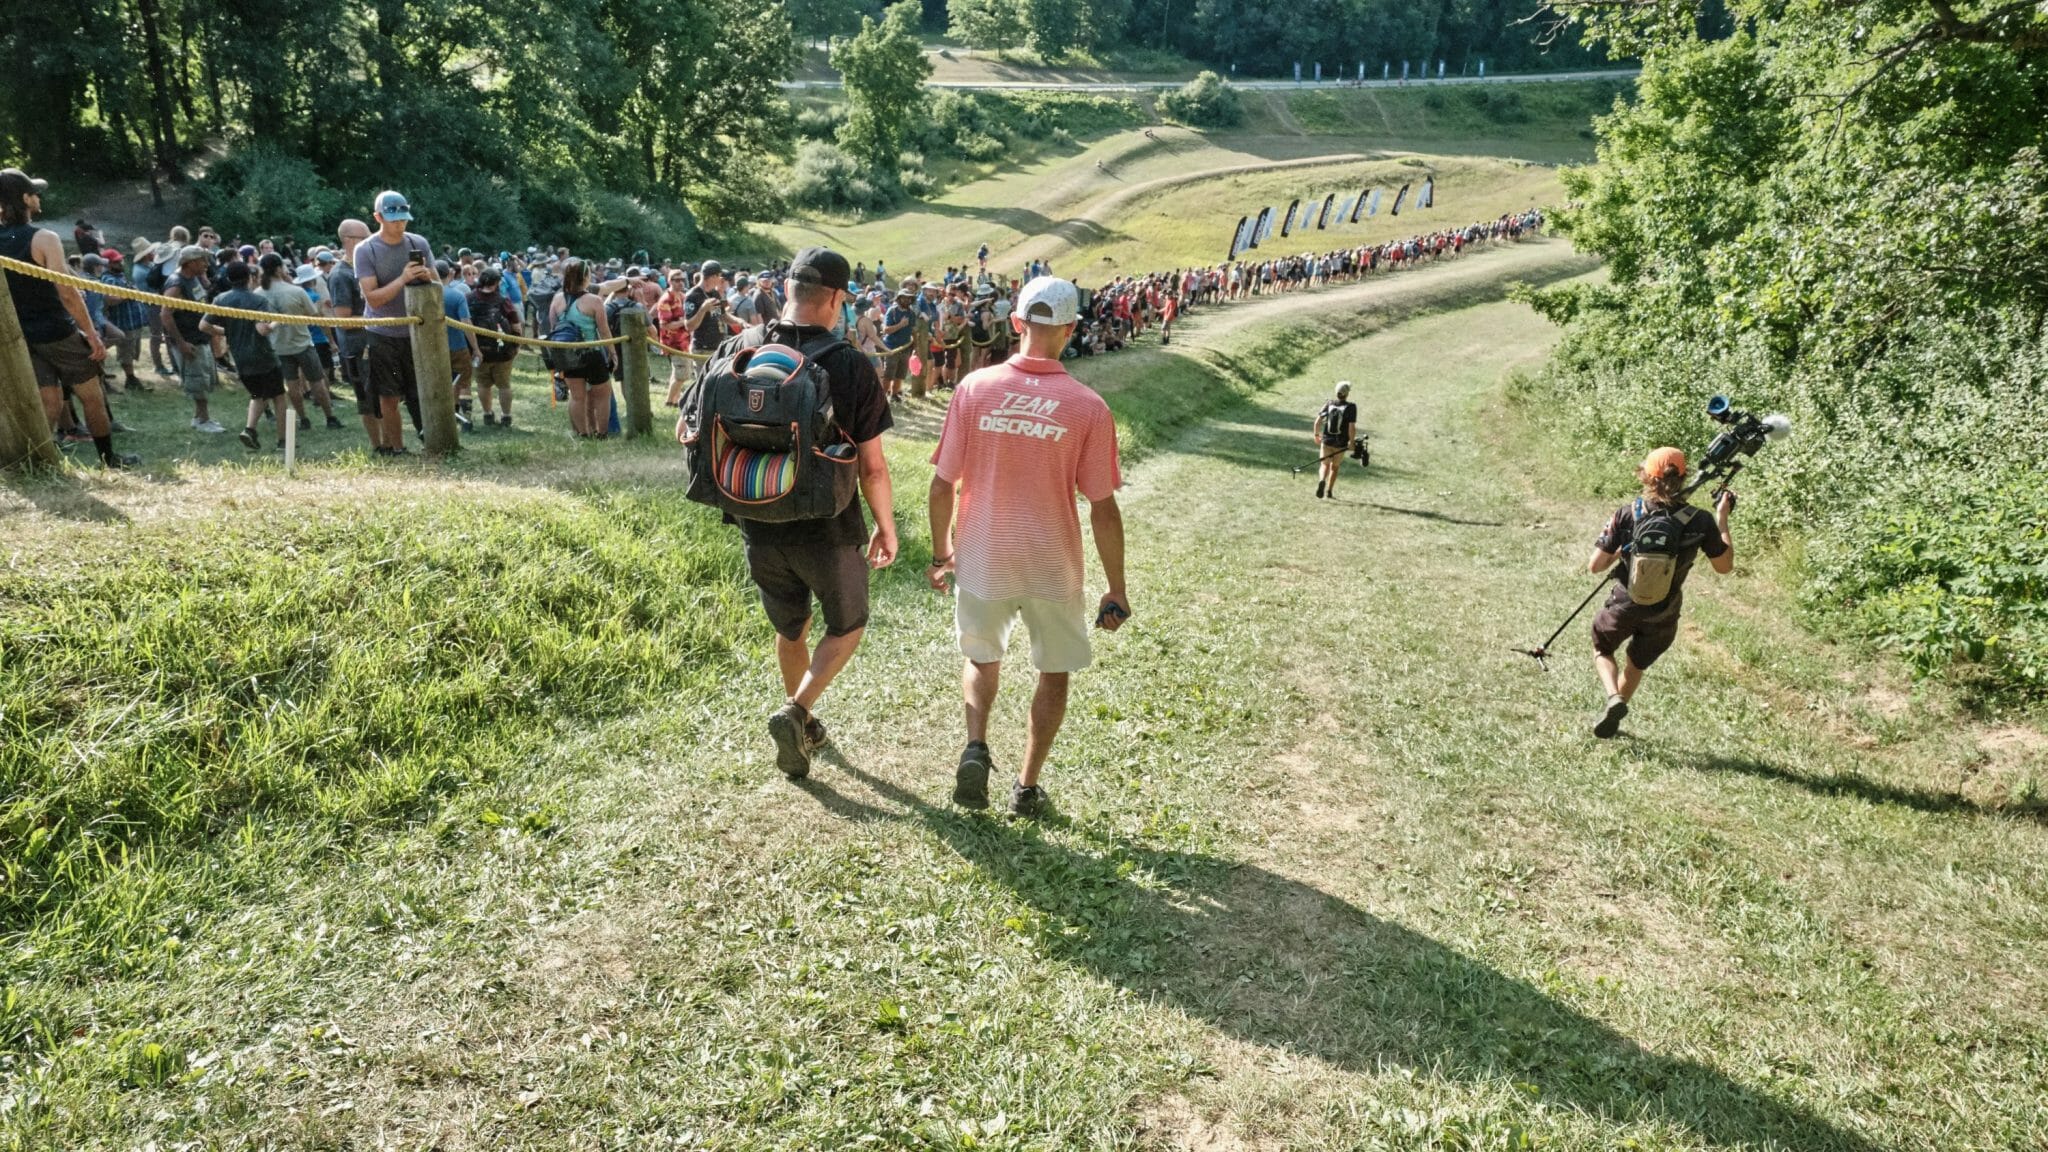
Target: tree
885	69
821	19
1204	102
1055	26
992	24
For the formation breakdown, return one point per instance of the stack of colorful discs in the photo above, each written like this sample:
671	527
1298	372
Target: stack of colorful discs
773	362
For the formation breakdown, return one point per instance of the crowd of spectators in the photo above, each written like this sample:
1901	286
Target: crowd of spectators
924	332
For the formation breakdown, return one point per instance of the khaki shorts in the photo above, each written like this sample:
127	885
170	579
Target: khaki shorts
1059	630
493	374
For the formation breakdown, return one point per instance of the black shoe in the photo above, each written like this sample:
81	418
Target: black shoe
1319	491
248	438
786	728
815	734
1027	802
120	461
970	779
334	422
490	420
305	423
1610	720
505	421
462	419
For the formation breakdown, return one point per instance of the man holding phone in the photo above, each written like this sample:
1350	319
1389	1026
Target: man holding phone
1020	439
385	264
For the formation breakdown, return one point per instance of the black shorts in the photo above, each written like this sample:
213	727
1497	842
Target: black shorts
265	385
789	575
1647	632
390	369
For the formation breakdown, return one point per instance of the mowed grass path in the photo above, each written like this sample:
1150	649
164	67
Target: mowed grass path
1331	869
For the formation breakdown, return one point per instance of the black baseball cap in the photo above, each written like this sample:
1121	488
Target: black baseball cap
14	184
711	268
820	266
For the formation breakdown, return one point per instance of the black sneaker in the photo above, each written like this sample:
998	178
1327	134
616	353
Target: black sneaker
120	461
305	423
792	753
1027	802
1610	720
970	779
334	422
505	421
248	438
490	419
815	734
462	419
1319	491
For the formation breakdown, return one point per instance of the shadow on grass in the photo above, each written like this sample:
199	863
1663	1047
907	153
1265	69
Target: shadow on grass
62	496
1275	962
1859	788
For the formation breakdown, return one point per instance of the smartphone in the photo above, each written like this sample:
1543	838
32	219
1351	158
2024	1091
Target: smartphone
417	257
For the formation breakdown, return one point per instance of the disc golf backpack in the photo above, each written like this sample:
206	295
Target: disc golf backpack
1330	423
759	438
1653	552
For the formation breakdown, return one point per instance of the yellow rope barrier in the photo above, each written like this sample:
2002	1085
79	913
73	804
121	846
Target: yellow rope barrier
118	291
534	342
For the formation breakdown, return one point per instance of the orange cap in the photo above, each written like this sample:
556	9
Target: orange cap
1661	458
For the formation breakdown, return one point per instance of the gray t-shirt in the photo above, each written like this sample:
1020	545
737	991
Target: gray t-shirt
347	297
386	263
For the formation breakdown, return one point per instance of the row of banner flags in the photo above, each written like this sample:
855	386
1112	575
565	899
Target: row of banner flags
1252	230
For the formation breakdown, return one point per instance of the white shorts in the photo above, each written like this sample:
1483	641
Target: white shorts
1058	628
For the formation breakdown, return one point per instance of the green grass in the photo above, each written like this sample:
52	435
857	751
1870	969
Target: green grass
1545	122
1331	867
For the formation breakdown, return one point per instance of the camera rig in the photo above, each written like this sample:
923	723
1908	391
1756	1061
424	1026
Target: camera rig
1745	435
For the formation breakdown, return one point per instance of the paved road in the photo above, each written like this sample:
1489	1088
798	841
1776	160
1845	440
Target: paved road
1257	85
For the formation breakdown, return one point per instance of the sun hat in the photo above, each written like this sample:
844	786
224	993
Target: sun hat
305	274
140	248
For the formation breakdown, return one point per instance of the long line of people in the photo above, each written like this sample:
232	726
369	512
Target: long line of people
923	332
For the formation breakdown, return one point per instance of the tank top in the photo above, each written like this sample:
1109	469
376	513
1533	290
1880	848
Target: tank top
586	326
42	314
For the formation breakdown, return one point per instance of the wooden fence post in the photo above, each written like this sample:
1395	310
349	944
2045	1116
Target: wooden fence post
633	357
25	439
431	363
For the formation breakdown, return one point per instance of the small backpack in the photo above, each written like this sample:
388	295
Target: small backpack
1654	551
759	437
582	363
1330	423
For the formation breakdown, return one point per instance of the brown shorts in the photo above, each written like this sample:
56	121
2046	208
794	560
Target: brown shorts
895	363
64	363
1647	632
493	374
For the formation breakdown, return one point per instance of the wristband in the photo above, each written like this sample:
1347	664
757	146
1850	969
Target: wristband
941	561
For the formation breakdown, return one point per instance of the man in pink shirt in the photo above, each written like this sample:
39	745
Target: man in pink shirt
1020	439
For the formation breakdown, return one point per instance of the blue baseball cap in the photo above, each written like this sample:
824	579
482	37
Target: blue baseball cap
392	206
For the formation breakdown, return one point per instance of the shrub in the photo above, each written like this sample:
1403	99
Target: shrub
1207	101
820	122
258	191
826	178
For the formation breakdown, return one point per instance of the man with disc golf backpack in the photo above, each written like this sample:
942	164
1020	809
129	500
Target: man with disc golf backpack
1335	425
781	429
1659	534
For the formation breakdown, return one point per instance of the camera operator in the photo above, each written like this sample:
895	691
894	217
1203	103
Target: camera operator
1661	534
1335	425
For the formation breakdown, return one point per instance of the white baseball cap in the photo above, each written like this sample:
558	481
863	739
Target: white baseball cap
1049	300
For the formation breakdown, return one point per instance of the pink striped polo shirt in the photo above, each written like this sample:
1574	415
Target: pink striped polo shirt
1020	439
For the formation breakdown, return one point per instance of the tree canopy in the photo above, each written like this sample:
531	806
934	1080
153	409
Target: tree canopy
500	121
